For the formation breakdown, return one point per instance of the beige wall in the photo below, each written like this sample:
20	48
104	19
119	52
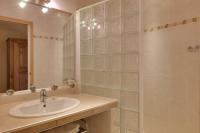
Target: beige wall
5	33
171	73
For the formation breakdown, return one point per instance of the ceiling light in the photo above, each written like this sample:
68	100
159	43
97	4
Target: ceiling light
47	5
45	9
99	26
83	22
22	4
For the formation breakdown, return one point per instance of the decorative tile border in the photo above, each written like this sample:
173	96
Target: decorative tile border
49	38
174	24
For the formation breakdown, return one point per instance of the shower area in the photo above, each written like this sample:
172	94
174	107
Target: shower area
145	54
109	48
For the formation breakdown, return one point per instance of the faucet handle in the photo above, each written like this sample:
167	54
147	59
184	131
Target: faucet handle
65	81
10	92
54	88
33	88
71	83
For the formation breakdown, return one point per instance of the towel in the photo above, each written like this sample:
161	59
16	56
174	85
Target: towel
69	128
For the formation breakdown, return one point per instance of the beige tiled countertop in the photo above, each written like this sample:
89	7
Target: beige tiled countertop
90	105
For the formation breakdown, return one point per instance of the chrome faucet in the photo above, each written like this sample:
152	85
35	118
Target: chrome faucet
54	88
43	97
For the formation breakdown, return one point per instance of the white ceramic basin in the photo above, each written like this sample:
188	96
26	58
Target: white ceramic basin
35	108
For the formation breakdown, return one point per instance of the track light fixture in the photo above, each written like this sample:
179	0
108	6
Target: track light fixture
44	4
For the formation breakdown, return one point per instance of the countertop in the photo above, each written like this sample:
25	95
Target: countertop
90	105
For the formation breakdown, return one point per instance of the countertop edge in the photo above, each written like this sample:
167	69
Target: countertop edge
70	117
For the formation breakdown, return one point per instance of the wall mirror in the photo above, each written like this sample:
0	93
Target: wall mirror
34	46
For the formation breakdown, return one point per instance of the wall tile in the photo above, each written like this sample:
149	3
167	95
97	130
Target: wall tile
130	101
87	77
130	7
113	27
113	44
113	10
130	23
130	82
86	14
99	79
130	63
115	129
99	62
114	61
99	46
86	47
87	62
113	80
99	32
130	120
130	42
85	33
99	12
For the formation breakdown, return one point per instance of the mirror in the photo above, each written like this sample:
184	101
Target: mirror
14	56
35	46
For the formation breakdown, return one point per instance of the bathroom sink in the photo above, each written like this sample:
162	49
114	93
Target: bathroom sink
35	108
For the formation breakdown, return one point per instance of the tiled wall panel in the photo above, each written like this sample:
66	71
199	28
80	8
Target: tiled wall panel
69	49
110	59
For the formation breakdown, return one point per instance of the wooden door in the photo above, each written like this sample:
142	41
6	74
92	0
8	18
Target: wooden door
17	64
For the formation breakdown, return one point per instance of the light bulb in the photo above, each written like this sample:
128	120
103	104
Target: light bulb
95	24
99	26
45	9
22	4
47	5
89	28
83	22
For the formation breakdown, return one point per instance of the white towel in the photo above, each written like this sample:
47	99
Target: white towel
69	128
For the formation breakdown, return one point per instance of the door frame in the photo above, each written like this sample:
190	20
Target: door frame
30	44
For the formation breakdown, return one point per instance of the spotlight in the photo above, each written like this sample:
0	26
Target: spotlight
83	22
99	26
22	4
45	9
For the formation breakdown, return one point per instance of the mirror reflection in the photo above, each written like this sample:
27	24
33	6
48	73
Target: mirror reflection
14	56
34	36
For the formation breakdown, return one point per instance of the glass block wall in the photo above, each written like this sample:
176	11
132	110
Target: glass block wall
69	49
109	45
